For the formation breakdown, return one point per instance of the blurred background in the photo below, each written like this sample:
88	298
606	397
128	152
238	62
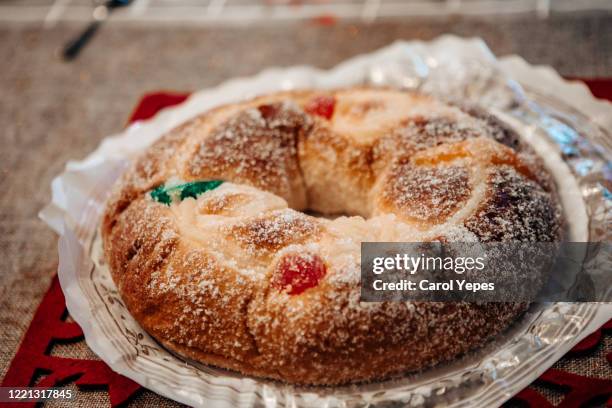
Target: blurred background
53	108
247	11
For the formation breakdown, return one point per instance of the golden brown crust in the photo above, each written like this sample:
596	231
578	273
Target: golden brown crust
202	275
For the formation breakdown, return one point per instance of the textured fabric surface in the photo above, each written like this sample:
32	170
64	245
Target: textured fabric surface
590	364
52	111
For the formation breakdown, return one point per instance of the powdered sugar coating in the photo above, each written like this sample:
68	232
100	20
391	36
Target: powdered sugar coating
426	193
273	231
256	146
198	275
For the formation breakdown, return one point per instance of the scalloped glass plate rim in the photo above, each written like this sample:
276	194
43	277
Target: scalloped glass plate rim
79	193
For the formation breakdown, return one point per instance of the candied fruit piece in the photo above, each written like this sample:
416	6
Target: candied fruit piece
322	106
297	272
268	110
193	189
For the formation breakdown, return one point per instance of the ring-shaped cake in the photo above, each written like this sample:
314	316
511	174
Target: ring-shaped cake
234	240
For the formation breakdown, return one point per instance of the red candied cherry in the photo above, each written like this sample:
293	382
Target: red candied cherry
322	106
297	272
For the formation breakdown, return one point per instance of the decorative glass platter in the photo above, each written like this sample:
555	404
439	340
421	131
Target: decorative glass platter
561	120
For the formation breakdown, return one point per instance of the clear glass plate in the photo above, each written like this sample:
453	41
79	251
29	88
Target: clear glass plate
563	121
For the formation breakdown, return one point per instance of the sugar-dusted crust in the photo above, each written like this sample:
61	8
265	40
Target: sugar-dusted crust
204	276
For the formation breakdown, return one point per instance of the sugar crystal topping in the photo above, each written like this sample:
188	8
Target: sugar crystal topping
246	244
258	146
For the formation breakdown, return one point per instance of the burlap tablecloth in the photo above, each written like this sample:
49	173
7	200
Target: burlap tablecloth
51	111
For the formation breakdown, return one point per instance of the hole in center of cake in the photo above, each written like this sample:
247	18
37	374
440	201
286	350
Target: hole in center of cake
318	214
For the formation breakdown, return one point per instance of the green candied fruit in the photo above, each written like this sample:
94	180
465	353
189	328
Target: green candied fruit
193	189
160	195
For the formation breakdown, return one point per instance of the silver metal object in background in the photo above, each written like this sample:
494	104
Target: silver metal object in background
99	15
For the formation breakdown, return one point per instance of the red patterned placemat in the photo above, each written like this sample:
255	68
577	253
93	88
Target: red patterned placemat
33	364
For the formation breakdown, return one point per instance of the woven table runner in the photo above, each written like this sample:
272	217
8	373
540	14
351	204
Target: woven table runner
53	352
